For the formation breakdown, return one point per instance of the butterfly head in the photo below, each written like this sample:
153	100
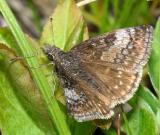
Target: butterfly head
51	52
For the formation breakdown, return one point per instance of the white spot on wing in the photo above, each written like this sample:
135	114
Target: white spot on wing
132	31
116	86
70	93
128	86
94	44
126	63
120	82
123	92
125	51
130	46
119	72
122	35
102	41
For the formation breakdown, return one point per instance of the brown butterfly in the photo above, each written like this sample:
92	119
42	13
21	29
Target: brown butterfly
102	72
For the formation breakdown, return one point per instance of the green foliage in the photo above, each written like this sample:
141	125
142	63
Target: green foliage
27	105
13	117
142	119
69	24
154	63
107	15
40	79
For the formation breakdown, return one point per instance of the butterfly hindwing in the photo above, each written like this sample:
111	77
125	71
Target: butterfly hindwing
116	85
83	107
87	102
83	95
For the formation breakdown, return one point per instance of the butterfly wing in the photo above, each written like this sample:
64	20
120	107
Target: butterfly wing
125	49
87	102
114	62
82	90
85	107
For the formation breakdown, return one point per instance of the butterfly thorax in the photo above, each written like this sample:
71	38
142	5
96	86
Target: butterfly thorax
69	67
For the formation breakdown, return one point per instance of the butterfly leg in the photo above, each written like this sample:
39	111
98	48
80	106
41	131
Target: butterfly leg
119	124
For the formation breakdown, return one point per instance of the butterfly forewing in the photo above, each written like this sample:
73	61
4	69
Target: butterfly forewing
126	49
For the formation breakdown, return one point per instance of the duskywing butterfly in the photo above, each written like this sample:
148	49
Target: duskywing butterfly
102	72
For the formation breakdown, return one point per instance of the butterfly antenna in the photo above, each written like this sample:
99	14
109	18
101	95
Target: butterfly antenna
51	20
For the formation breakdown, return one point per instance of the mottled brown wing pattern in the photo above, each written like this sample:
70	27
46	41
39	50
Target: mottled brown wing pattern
115	62
102	72
84	107
84	97
119	85
85	102
125	49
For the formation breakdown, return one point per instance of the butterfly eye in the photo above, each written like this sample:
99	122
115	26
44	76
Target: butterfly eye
50	51
50	56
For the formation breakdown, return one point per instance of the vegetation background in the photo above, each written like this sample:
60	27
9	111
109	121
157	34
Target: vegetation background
27	102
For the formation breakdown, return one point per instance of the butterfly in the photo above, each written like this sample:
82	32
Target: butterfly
102	72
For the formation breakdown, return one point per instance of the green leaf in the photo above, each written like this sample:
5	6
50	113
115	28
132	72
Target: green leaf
142	120
78	128
154	62
67	27
13	119
149	98
21	105
111	131
7	38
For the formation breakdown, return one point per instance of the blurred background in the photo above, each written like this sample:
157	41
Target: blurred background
101	16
